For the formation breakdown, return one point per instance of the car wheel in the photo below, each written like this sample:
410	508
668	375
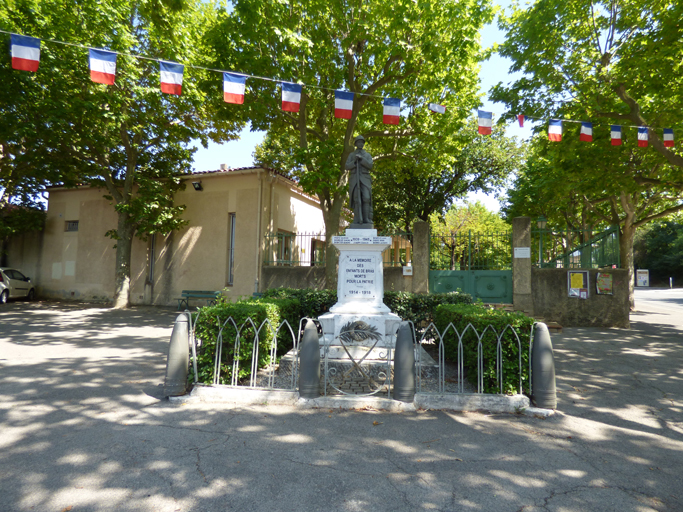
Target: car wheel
4	296
31	294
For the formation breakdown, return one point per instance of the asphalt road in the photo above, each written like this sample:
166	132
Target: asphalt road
83	427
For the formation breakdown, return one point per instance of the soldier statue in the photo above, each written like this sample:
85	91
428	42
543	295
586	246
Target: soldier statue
359	164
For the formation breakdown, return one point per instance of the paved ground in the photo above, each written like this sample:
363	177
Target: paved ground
82	427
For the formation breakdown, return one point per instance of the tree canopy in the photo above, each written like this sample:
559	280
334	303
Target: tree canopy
128	138
420	52
605	62
442	166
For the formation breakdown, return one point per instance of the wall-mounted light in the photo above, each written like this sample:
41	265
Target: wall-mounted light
197	186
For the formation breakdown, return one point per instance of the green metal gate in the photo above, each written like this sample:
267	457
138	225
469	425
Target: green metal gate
476	263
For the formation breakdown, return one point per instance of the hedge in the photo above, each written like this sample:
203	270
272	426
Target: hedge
210	318
420	308
313	303
480	317
409	306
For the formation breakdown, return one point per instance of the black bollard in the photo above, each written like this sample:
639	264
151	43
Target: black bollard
309	362
404	365
178	358
543	390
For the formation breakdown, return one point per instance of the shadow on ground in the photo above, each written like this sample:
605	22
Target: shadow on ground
84	428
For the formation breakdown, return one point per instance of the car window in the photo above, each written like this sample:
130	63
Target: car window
15	274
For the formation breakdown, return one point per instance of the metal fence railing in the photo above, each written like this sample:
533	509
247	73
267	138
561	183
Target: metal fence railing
471	251
476	351
575	248
239	360
294	249
495	360
308	249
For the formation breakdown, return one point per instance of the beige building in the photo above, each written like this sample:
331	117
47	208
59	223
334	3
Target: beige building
230	212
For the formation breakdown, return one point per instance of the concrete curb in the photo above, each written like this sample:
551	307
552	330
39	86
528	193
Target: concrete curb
472	402
353	402
537	412
217	394
423	401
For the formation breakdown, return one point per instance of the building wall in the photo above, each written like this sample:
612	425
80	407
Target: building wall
80	265
23	253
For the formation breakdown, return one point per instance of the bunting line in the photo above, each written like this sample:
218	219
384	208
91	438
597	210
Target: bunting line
25	54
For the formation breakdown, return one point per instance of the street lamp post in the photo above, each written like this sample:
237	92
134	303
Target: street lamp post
541	222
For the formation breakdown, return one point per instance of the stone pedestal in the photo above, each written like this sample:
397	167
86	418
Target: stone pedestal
360	289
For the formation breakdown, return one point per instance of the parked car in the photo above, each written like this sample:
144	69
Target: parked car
14	285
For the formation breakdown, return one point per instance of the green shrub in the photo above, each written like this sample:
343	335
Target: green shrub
480	317
288	309
211	318
420	308
409	306
313	303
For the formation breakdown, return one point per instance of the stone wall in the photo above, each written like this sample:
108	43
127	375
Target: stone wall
314	277
292	277
553	304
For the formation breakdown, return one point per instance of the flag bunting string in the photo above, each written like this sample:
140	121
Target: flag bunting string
25	53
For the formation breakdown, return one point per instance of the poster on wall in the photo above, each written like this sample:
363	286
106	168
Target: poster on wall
603	283
577	281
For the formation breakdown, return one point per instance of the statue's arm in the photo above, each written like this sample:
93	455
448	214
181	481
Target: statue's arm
351	161
366	160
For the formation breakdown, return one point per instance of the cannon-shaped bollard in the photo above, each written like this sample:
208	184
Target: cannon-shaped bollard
404	365
543	390
309	362
175	383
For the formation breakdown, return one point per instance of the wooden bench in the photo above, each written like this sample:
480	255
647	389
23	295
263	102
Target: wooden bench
209	296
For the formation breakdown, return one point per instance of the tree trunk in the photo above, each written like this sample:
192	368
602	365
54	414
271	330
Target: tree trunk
331	216
124	244
626	238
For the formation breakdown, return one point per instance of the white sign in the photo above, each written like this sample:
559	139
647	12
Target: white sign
407	271
642	278
522	252
359	277
340	240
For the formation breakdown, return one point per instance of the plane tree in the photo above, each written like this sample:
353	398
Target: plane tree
590	186
128	139
423	51
610	63
429	172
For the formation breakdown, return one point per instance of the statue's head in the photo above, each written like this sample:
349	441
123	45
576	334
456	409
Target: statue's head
359	142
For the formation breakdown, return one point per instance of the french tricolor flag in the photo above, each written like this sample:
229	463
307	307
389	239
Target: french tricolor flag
102	66
233	88
586	134
343	104
436	108
485	122
171	77
643	136
392	111
291	97
25	52
668	137
616	135
555	130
